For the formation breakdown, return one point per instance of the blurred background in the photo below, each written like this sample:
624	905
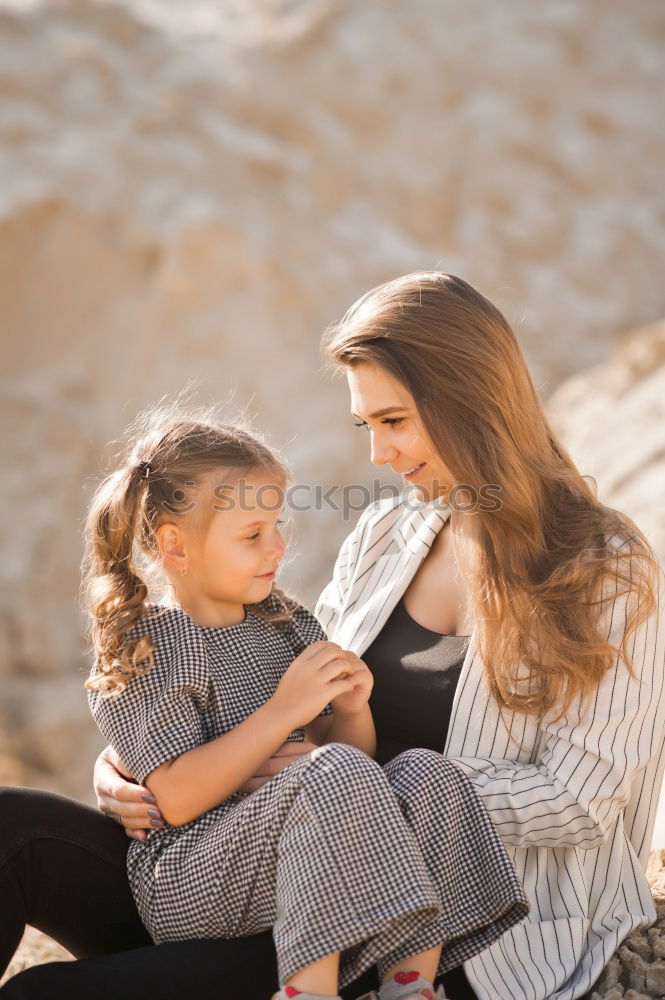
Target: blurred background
196	190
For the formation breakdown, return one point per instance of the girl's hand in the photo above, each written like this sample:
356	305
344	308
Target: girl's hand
317	676
363	681
118	796
282	757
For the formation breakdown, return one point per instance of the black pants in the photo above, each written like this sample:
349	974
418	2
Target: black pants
62	870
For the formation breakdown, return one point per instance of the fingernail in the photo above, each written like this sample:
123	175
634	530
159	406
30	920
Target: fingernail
155	812
149	798
156	822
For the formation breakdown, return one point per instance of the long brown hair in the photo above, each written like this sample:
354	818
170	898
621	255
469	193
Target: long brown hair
168	452
551	556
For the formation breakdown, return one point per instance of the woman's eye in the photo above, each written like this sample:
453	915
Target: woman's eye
392	421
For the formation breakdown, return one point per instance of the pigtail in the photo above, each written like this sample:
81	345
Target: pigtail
114	592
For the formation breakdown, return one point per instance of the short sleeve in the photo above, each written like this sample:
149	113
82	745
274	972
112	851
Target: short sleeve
308	629
160	715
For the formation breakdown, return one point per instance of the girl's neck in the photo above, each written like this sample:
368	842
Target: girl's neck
210	614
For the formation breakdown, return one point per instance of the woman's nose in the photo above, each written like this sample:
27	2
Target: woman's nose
382	452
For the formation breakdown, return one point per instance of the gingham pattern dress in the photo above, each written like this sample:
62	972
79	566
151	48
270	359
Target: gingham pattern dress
334	853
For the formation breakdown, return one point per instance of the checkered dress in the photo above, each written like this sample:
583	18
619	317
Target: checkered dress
335	853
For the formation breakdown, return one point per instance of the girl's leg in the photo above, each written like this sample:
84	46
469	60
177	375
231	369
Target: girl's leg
425	962
62	869
320	977
480	892
347	866
323	854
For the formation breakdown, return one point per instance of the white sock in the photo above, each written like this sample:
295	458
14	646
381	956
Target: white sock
405	984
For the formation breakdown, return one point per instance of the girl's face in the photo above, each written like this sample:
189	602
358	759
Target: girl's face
388	411
232	553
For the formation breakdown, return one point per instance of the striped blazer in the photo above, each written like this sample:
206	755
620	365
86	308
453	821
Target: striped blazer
574	802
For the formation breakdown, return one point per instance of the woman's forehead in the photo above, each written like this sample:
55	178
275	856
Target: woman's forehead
373	388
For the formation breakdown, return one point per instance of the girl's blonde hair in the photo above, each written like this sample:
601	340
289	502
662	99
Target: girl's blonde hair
180	450
544	565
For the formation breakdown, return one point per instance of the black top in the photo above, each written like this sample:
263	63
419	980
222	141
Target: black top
416	673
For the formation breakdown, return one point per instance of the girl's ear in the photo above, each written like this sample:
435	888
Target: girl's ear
171	545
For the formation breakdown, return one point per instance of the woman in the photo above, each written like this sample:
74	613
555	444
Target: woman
552	708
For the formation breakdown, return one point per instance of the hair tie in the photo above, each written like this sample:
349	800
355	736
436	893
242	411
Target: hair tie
145	468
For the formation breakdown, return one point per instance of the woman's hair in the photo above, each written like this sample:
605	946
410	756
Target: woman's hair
549	556
121	550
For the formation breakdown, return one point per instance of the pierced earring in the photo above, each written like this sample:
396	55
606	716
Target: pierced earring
182	572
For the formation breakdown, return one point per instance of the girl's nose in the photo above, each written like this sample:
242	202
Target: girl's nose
278	547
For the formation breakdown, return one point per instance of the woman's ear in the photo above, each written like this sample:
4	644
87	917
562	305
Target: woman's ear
171	545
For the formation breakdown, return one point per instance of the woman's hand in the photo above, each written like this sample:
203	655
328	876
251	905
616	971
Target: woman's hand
351	702
118	796
282	757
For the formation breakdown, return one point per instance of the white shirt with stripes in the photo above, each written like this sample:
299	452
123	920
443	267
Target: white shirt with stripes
574	802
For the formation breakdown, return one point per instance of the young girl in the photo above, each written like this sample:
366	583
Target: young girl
196	692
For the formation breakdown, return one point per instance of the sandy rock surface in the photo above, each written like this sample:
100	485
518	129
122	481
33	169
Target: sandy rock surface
612	419
35	948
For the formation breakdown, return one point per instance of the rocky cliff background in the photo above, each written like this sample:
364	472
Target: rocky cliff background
196	190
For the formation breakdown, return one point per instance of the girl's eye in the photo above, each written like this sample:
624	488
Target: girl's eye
252	538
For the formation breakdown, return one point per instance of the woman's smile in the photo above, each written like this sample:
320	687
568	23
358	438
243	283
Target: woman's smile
414	472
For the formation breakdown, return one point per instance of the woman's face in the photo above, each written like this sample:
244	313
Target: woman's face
398	439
